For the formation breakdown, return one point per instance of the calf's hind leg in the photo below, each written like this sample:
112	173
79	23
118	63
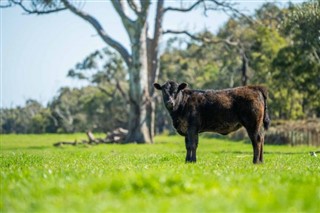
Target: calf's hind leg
253	122
257	139
262	144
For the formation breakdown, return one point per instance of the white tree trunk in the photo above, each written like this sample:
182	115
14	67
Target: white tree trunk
138	92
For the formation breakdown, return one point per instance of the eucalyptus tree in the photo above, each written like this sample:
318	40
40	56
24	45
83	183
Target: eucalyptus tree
142	58
298	63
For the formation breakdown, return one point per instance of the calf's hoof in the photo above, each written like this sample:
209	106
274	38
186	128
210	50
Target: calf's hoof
257	162
191	161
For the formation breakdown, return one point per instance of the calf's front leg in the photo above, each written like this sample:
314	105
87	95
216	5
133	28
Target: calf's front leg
191	141
189	154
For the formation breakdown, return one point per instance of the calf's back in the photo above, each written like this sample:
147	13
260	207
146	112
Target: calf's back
221	111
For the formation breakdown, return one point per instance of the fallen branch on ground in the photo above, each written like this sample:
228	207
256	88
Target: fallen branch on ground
116	136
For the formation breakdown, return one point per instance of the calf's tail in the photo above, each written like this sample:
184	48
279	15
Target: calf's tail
266	118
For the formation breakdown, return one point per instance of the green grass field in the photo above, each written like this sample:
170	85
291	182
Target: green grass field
37	177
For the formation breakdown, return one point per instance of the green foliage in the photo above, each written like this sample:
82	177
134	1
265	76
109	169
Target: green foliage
298	64
106	109
37	177
32	118
282	47
198	64
88	108
302	23
101	66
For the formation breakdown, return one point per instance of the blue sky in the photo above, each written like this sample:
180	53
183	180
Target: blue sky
38	51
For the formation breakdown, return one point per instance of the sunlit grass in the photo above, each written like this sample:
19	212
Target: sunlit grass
37	177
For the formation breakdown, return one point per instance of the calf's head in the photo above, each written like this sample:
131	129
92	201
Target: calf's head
171	93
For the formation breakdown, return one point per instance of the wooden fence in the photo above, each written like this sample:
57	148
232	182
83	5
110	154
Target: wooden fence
305	132
294	137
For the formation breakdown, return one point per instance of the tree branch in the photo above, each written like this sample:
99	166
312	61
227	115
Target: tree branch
178	9
158	22
144	5
226	7
34	10
202	39
211	5
185	33
143	13
127	22
6	5
124	95
133	6
221	4
119	7
105	37
315	54
110	94
153	47
118	87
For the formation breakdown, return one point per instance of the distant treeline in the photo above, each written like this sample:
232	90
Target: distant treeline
73	110
276	47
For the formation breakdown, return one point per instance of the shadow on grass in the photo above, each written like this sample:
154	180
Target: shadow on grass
25	148
37	147
267	153
286	153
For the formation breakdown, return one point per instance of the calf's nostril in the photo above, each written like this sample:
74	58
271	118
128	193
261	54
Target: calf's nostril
169	104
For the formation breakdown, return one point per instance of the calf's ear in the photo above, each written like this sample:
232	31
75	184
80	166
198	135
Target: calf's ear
157	86
182	86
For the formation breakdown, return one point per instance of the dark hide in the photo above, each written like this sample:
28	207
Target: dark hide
221	111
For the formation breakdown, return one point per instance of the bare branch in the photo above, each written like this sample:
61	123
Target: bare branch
133	6
144	5
117	87
209	5
185	33
177	9
224	6
227	7
202	39
158	22
139	10
9	4
119	7
124	95
127	22
153	47
34	10
106	38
